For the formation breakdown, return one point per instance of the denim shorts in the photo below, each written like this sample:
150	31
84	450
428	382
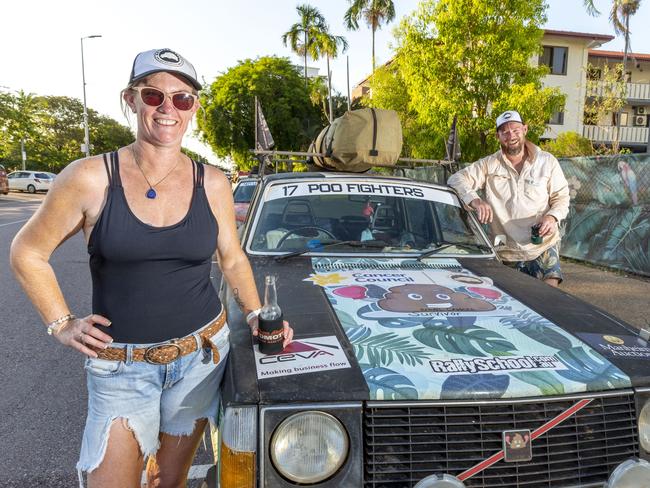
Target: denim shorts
544	266
152	398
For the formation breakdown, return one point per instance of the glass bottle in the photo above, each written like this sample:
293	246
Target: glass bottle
270	323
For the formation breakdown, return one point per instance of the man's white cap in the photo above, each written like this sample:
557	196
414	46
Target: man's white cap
508	116
157	60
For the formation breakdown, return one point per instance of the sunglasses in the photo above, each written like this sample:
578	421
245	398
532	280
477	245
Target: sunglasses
155	98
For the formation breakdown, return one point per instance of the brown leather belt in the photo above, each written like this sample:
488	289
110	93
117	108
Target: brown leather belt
169	351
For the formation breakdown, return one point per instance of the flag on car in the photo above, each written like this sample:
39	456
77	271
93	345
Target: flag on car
263	138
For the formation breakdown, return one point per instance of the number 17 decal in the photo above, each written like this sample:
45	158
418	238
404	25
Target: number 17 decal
289	190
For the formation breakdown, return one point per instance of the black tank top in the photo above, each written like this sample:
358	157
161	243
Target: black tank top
153	283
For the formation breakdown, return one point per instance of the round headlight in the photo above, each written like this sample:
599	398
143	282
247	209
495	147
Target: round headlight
633	473
440	481
644	427
309	447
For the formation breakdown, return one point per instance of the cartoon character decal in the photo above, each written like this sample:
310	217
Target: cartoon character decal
430	298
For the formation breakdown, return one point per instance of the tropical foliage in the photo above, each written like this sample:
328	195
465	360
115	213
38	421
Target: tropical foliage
303	36
226	124
567	145
375	13
469	58
52	130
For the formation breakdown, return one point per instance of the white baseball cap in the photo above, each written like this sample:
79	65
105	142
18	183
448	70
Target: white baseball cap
508	116
157	60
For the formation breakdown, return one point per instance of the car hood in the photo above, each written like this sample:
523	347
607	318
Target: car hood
399	329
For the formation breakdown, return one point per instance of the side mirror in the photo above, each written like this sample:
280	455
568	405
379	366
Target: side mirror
499	240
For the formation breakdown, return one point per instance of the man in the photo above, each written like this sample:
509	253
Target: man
524	187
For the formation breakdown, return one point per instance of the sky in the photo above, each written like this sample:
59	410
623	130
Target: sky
42	53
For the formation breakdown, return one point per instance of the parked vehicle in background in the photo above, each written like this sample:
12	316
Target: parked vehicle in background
4	183
30	181
242	195
419	360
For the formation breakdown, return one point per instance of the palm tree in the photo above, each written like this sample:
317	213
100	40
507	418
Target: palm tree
328	45
375	12
303	34
619	16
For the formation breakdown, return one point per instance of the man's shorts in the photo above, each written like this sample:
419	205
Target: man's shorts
151	398
544	266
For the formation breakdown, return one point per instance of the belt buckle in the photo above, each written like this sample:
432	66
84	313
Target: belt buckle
151	350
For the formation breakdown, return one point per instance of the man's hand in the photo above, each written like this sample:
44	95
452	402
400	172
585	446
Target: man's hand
483	210
547	226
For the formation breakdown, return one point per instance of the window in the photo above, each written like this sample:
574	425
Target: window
624	120
555	58
557	118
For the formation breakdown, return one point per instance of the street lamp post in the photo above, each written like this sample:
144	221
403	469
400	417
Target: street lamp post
83	78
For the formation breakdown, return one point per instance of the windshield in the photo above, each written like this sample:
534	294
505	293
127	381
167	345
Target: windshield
389	216
244	191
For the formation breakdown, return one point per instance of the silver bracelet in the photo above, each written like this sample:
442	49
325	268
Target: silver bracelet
54	326
252	315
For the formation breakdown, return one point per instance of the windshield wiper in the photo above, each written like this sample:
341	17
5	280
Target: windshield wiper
441	246
319	247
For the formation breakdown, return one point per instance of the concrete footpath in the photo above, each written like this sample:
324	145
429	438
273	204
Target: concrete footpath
623	295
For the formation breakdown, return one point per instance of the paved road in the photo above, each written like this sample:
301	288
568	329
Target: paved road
43	399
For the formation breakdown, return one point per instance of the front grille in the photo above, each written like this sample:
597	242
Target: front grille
405	444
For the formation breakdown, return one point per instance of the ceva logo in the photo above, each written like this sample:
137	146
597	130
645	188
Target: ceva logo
297	351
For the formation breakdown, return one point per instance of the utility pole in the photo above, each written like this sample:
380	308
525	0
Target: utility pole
23	153
86	145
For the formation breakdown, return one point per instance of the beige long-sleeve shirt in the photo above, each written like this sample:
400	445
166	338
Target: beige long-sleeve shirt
518	201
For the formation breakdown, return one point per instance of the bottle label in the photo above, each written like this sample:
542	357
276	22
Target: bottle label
270	335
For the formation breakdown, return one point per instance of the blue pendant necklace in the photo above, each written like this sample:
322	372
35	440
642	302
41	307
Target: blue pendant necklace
151	193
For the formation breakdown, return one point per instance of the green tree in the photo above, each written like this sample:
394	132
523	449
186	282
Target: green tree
328	45
569	145
375	12
606	95
619	16
52	130
227	122
302	35
389	91
471	58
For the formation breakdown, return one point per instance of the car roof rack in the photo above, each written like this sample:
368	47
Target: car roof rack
268	156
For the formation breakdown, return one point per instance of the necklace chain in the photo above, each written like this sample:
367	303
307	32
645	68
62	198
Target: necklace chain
137	163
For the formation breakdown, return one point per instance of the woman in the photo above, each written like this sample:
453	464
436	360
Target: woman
152	219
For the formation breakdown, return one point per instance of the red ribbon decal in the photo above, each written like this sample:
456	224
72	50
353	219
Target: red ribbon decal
534	435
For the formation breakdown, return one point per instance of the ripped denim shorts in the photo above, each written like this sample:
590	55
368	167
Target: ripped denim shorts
150	397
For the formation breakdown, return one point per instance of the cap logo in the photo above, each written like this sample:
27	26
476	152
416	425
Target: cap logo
167	56
507	115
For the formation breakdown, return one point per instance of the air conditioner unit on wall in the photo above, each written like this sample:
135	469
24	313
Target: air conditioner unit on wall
641	110
640	120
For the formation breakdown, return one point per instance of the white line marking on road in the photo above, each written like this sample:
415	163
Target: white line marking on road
16	222
198	471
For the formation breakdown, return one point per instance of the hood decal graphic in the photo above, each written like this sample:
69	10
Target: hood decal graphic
445	333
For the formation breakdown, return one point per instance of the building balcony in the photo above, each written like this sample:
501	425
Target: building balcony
629	136
635	92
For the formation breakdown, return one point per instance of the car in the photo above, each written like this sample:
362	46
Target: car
4	183
419	360
242	194
30	181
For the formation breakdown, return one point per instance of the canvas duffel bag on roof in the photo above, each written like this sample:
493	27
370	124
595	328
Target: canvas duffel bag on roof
359	139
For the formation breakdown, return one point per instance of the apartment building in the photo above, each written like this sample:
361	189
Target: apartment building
568	54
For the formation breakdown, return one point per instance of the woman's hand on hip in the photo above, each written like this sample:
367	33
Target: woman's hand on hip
81	334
